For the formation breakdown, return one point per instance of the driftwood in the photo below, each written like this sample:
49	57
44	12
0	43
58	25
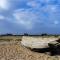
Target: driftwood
36	42
42	46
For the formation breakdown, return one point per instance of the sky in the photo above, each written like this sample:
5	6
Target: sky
30	16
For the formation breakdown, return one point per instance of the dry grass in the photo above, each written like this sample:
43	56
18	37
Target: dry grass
13	50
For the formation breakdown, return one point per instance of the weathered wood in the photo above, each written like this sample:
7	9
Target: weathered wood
36	42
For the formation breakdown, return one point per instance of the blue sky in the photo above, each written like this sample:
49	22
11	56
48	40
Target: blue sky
30	16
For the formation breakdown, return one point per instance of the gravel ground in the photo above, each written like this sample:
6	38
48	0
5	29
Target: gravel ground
15	51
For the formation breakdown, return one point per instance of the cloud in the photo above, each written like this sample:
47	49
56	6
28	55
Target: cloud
2	17
33	4
56	22
25	18
29	15
4	4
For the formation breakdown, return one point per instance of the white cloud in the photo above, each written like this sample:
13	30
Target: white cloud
4	4
25	18
2	17
32	3
56	22
50	8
